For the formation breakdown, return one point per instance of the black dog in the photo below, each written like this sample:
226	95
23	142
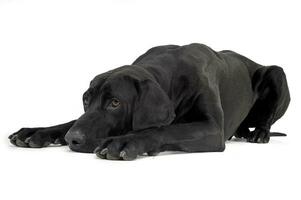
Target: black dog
176	98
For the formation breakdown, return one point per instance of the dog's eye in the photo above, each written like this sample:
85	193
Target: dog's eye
86	101
114	103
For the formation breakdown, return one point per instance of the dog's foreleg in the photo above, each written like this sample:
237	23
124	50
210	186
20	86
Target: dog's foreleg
205	136
41	137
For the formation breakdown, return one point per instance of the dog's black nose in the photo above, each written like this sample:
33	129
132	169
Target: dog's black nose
75	138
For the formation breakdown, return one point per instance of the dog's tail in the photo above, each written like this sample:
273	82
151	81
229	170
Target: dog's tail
272	134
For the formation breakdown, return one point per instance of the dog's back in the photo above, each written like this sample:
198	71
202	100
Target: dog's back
223	72
226	73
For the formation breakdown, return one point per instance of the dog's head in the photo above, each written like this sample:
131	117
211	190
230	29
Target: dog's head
119	101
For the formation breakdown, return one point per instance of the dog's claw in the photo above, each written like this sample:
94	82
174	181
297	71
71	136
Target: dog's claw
259	140
104	151
96	150
14	137
27	140
57	141
21	143
122	154
126	157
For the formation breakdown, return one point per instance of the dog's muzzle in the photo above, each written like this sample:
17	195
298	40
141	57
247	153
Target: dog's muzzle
75	139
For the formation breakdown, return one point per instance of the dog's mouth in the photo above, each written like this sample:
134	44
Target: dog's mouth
82	148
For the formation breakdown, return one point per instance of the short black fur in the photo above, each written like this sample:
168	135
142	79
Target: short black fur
172	98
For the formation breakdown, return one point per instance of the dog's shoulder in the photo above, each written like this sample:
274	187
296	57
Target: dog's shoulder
155	52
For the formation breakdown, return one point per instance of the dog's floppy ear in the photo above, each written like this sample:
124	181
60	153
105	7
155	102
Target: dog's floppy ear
153	107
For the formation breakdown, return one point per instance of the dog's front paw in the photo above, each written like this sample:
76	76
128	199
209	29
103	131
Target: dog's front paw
126	147
34	138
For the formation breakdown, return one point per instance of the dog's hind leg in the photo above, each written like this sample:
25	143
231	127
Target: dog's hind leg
273	99
242	131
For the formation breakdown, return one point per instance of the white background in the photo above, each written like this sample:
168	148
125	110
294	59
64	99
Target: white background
50	50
